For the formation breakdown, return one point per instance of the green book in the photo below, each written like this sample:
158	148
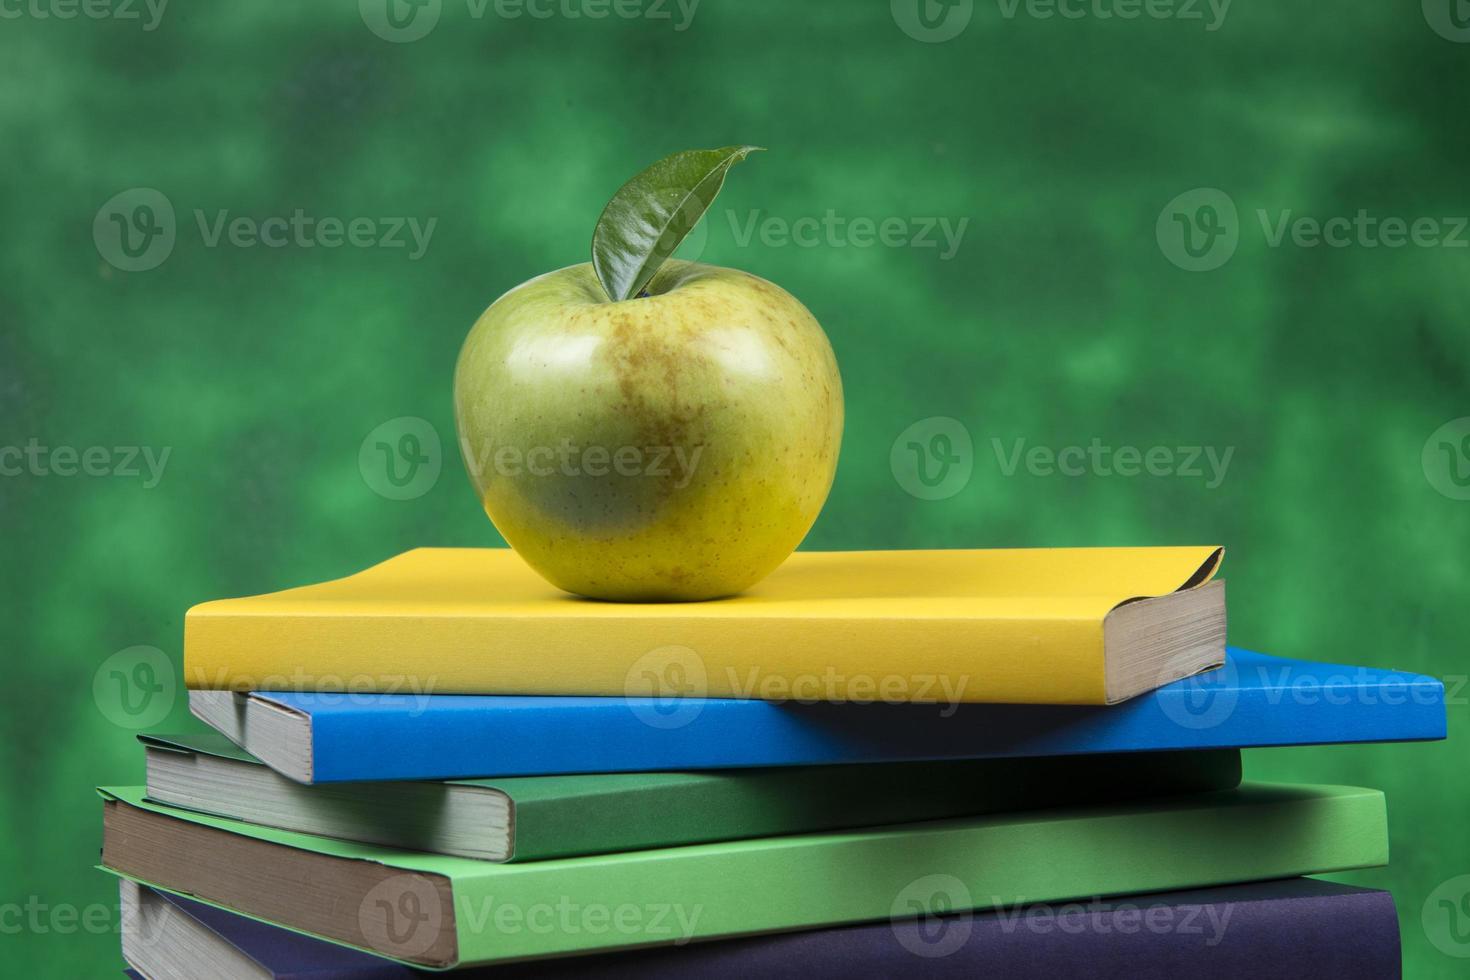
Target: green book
534	818
440	912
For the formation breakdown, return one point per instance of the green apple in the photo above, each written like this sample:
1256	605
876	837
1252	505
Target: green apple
676	445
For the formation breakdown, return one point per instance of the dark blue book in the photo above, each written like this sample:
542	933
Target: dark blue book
1297	927
1254	700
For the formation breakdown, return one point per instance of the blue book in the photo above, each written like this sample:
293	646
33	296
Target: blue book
1254	700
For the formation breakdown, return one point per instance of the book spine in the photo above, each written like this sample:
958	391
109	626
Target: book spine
885	658
1345	935
447	737
674	896
777	802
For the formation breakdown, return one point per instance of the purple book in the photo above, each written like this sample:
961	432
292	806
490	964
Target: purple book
1297	927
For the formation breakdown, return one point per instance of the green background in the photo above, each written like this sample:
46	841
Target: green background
1060	319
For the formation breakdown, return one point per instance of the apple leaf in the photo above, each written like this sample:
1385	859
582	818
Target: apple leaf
651	214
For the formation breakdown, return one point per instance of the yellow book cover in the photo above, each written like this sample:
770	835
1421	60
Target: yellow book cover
1041	626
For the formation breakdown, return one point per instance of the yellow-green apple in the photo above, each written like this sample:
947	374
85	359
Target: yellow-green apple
673	445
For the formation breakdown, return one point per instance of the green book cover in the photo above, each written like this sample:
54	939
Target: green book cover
572	815
439	911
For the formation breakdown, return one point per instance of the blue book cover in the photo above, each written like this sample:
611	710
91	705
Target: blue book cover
1254	700
1295	927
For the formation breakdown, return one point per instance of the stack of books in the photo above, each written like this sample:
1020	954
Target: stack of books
1012	763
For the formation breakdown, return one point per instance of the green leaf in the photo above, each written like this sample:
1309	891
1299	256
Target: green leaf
652	213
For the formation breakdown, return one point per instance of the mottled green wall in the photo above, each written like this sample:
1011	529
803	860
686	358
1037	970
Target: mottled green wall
1065	314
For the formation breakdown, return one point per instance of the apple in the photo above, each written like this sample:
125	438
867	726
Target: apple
676	445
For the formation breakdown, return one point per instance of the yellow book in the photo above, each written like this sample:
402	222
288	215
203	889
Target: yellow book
1039	626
